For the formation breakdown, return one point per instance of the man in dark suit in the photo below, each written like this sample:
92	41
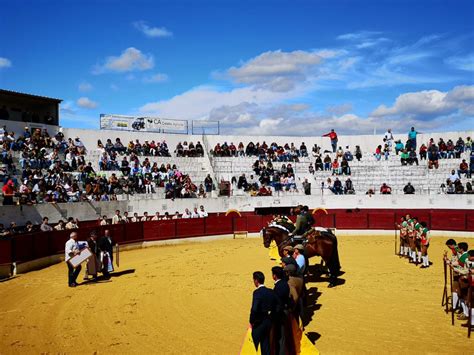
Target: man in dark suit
106	245
282	293
264	304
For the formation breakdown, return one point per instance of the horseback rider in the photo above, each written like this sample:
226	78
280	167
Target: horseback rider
304	222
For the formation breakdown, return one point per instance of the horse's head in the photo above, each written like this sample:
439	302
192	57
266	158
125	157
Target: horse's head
267	237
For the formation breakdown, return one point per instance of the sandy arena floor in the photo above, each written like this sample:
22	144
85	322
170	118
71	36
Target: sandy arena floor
194	299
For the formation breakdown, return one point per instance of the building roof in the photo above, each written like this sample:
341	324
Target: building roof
16	93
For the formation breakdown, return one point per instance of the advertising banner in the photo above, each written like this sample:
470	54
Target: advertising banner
143	124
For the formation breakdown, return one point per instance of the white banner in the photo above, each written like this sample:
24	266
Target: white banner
144	124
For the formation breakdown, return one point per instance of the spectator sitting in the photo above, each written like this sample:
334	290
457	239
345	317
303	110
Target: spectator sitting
378	152
345	168
464	169
349	187
398	146
370	192
319	164
412	158
264	191
311	169
450	187
409	189
469	188
404	157
348	155
242	183
337	187
385	189
454	176
458	187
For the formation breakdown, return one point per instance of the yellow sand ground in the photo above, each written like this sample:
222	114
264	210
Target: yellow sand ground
194	299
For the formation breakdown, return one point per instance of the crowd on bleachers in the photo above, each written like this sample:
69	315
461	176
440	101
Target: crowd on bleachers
151	148
189	150
338	162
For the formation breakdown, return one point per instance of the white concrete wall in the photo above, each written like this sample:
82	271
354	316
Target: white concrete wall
91	211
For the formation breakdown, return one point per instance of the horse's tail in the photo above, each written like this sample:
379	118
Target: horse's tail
334	264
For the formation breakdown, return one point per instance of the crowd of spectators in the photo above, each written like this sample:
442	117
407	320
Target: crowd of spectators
189	150
273	152
152	148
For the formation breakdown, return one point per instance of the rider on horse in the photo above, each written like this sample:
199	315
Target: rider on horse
304	222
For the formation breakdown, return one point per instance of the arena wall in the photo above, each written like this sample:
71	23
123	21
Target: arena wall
85	211
42	247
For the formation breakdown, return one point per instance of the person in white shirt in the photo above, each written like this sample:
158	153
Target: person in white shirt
145	217
454	176
71	249
186	214
117	218
202	212
176	215
71	223
103	221
389	138
135	217
195	213
156	217
45	227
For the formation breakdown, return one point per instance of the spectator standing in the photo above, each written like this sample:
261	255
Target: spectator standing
333	137
117	218
202	212
388	137
45	227
412	138
8	191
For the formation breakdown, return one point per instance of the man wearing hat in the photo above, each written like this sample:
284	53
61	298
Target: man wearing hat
304	221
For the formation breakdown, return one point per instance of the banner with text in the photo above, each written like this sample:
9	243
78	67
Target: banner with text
143	124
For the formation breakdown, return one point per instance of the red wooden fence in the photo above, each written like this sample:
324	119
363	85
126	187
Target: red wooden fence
27	247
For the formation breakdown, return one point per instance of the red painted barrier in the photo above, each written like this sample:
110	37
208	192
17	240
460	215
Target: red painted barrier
27	247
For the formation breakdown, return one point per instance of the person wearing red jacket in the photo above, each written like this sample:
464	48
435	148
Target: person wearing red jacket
333	136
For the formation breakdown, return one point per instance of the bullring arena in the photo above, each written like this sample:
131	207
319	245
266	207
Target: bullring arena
184	285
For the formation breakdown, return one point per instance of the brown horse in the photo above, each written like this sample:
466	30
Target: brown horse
319	243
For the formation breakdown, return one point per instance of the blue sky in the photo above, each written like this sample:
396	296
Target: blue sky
260	67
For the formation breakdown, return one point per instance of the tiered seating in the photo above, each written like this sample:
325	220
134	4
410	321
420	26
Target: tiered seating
366	174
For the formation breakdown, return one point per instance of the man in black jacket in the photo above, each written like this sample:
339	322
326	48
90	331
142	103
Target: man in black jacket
282	292
106	244
264	304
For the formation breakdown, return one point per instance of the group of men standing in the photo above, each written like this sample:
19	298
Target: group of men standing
414	240
462	261
275	312
101	260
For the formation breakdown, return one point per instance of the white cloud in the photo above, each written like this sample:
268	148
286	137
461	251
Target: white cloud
156	78
85	87
429	103
278	71
357	36
87	103
152	32
462	63
68	108
131	59
5	63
